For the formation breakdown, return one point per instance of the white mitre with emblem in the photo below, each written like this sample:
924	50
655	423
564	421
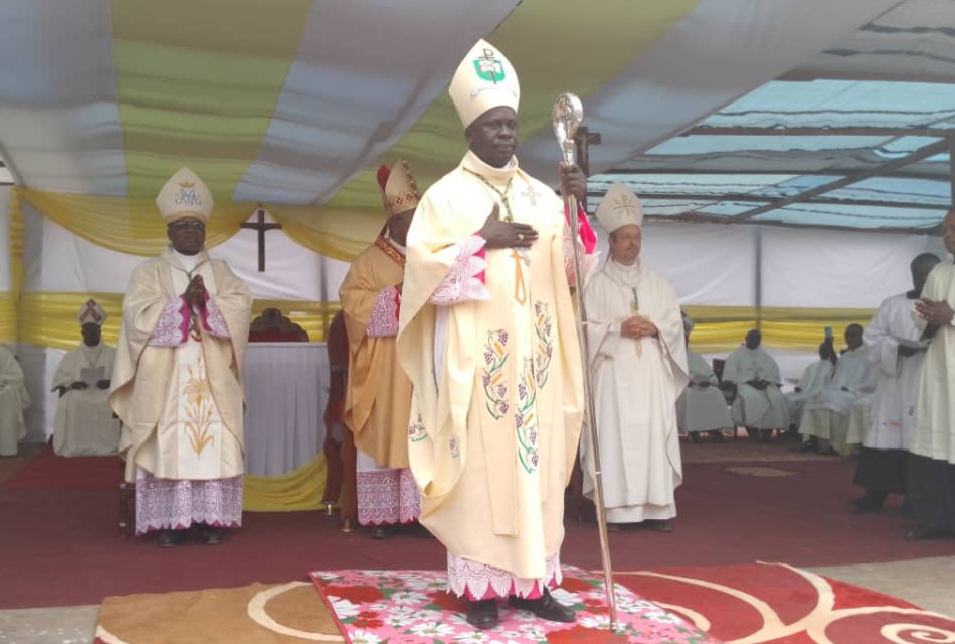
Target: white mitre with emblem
485	79
619	208
184	195
93	312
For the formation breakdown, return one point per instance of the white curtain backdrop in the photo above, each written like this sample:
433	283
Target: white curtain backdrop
819	268
706	264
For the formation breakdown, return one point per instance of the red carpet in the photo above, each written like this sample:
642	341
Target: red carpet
776	604
47	471
52	534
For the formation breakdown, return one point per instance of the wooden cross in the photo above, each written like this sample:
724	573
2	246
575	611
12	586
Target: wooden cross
260	226
583	139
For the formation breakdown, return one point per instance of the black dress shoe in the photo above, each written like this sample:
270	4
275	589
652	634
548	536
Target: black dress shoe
169	538
382	532
929	533
868	502
213	536
805	446
657	525
482	614
546	608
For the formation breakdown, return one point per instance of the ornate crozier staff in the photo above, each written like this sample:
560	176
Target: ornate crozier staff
567	115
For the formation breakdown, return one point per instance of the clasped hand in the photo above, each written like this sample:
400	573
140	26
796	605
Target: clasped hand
195	294
936	312
637	327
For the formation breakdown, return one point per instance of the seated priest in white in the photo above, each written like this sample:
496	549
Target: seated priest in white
826	416
13	401
814	379
84	424
702	406
177	382
638	361
759	405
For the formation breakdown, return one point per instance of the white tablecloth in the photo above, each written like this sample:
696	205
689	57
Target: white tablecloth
285	393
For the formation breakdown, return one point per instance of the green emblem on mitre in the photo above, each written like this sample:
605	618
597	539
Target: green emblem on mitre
488	67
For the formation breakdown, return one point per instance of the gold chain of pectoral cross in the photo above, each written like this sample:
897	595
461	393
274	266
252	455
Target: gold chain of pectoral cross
519	255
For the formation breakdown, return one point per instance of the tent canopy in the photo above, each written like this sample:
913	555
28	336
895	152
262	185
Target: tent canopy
297	101
858	137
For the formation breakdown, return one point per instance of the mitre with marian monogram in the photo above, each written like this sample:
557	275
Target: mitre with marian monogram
619	208
399	190
184	195
485	79
92	312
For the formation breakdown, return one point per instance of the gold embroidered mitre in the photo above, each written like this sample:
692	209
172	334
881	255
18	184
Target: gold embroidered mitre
184	195
399	190
485	79
92	312
619	208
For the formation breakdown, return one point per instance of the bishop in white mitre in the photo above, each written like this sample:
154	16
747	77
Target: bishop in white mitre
892	340
84	424
177	381
826	415
759	405
13	401
487	337
702	406
639	366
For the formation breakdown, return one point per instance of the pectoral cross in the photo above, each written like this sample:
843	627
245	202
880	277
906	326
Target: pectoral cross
531	194
261	226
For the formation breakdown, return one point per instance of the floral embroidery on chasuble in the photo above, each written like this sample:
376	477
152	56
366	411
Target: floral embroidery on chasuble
190	423
501	382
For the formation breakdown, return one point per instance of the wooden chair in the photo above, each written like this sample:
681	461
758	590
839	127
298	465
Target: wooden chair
272	326
341	457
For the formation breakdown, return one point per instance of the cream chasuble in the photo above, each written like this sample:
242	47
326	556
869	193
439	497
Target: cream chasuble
635	393
84	424
934	433
378	400
13	400
181	404
496	420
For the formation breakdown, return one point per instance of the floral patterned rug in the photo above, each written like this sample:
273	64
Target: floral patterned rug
412	607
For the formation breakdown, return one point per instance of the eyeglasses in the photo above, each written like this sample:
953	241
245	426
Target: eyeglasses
186	225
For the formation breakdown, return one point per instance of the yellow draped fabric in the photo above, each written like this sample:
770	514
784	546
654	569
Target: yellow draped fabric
48	319
10	299
8	317
300	489
722	328
133	226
